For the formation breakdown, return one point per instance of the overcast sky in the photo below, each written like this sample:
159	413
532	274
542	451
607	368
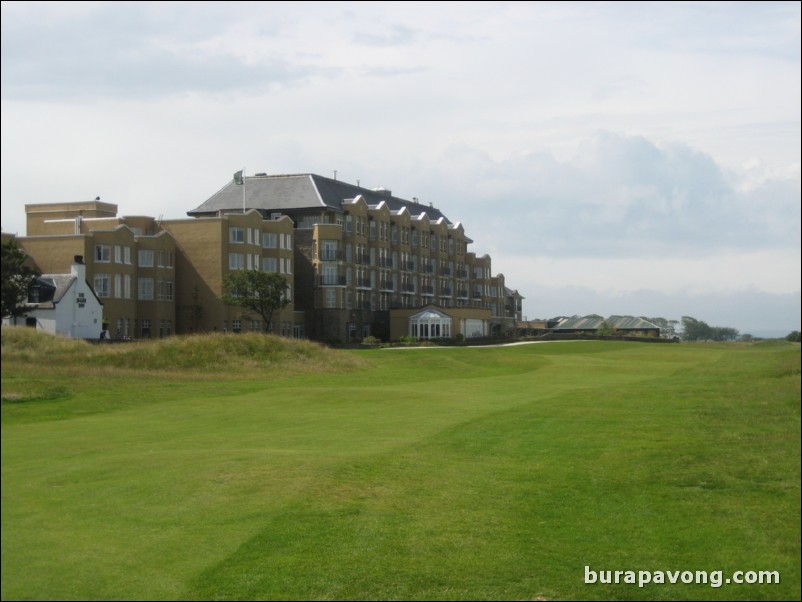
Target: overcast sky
612	158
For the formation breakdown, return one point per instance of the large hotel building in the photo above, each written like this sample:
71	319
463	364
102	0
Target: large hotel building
360	262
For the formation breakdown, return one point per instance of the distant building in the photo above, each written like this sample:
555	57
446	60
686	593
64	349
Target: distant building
620	325
64	304
359	261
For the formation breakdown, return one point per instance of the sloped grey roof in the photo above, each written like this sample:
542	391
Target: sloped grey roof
295	192
594	322
580	323
60	282
630	323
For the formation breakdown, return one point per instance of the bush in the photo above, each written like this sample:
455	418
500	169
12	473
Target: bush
371	340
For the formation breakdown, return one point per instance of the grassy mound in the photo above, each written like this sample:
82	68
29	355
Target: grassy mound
219	354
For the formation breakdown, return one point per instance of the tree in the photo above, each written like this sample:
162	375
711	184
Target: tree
257	291
605	330
16	278
695	330
793	336
667	327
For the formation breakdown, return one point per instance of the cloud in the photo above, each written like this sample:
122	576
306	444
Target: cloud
131	51
619	196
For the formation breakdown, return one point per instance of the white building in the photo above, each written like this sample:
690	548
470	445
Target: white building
65	304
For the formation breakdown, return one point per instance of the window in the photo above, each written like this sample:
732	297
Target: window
329	275
165	290
145	329
236	261
102	285
102	253
269	264
165	328
430	324
127	255
236	325
349	224
329	250
236	234
118	254
145	289
126	288
146	258
118	286
270	240
287	241
331	297
165	259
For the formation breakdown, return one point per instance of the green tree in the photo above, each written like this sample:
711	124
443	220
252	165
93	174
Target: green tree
723	333
605	330
16	278
793	337
261	292
695	330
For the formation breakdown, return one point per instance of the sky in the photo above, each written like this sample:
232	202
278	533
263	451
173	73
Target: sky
612	158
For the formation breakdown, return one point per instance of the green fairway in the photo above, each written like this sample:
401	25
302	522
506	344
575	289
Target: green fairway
453	473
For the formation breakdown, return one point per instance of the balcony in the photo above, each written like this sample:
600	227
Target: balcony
363	282
328	255
331	281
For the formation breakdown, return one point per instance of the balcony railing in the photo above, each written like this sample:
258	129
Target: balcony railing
330	255
331	281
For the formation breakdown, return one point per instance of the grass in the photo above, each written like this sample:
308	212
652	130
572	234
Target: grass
484	473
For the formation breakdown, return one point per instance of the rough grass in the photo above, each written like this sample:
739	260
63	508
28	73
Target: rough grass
197	356
428	474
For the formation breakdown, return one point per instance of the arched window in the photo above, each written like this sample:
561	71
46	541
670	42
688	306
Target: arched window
430	324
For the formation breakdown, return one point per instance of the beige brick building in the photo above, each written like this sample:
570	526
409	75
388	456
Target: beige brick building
360	262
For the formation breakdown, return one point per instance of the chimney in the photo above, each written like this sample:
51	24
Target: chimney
78	267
